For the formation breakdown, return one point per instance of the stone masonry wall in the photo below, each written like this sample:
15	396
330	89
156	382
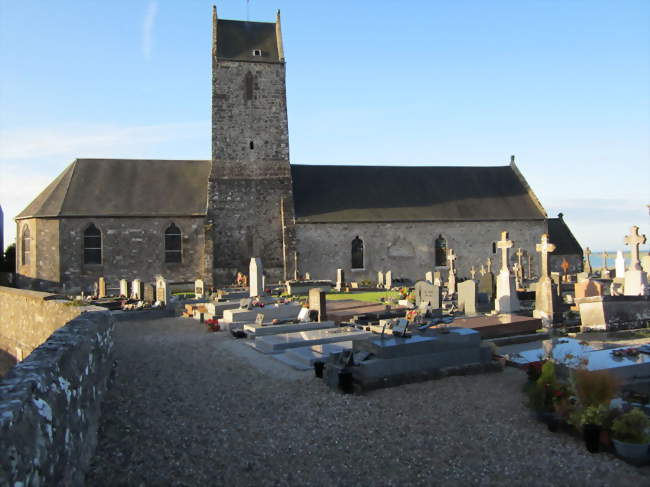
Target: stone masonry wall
408	249
132	248
50	405
250	170
28	318
43	270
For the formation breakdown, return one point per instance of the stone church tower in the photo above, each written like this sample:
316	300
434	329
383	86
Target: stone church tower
250	203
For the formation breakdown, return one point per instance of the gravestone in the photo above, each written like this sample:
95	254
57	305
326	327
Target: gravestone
645	263
530	267
472	272
256	273
388	280
488	263
428	293
137	290
124	288
482	271
307	276
557	280
102	288
636	279
582	276
340	279
451	279
95	289
519	272
149	293
619	264
318	302
429	277
587	266
162	290
437	278
380	279
604	270
198	289
515	269
506	300
487	286
546	299
467	297
259	319
588	288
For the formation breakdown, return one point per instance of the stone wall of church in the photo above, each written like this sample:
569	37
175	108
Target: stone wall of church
43	270
250	171
132	248
407	248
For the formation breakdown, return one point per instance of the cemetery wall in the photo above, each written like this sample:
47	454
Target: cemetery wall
28	318
250	171
407	248
132	248
50	405
42	271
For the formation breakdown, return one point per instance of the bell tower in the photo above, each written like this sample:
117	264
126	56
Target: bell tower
250	192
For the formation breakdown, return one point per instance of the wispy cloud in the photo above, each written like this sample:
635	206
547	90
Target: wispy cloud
147	28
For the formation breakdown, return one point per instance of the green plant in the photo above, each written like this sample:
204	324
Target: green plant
595	387
541	393
632	427
594	414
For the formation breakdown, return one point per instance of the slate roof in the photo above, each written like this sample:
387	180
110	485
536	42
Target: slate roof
125	187
336	194
560	235
236	40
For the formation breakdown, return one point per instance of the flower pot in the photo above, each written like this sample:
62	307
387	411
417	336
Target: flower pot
591	435
318	368
346	384
549	419
637	452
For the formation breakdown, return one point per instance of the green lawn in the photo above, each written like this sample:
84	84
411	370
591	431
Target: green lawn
370	297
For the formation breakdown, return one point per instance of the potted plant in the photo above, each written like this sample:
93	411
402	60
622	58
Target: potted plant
592	419
631	436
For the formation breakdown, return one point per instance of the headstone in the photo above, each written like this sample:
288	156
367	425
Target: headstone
619	264
519	272
487	286
256	272
437	278
307	276
149	293
472	272
587	288
95	289
380	279
482	271
429	277
137	292
604	270
428	293
506	300
162	290
467	297
354	285
102	288
587	266
451	280
198	289
645	263
636	279
318	302
515	270
124	288
259	319
582	276
388	280
546	298
340	279
488	262
530	267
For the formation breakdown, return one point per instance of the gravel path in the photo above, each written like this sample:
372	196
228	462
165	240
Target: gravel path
193	408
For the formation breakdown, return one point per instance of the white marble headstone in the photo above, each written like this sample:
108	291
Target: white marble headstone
256	271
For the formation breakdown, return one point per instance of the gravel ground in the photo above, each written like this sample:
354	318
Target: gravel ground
194	408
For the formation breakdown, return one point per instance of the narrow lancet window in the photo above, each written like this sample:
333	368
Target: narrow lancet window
441	251
357	253
92	245
25	246
173	249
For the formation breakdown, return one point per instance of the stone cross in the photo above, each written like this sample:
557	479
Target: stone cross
605	255
544	247
530	266
472	272
520	254
451	257
565	265
482	271
634	240
489	264
587	267
504	244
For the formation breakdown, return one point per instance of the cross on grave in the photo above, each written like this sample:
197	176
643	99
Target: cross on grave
634	240
565	265
530	266
544	248
605	255
482	271
451	257
504	244
472	272
489	264
587	266
519	254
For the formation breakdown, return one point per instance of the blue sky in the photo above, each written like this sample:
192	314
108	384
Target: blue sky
563	85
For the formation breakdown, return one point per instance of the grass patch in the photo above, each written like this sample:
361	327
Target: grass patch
370	297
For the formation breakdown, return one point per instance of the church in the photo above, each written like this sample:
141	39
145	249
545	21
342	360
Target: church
189	219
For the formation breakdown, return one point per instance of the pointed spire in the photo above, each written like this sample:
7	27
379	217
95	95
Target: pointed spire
278	36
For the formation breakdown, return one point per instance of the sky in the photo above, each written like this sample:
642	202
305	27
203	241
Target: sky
563	85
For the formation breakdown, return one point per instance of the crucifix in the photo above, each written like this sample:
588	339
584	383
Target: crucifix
489	264
504	244
605	255
565	268
544	247
482	271
472	272
451	257
634	240
520	264
587	253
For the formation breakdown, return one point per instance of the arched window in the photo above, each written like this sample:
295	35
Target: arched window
92	245
357	253
173	250
441	251
25	246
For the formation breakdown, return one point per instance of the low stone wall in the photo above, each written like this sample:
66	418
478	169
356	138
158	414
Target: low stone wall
50	404
28	318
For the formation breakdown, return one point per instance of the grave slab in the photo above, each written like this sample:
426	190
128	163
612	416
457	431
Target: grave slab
279	343
500	325
281	312
254	330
